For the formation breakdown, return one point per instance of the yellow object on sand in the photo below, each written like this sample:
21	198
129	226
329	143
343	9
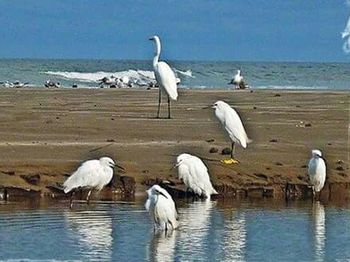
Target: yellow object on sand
230	161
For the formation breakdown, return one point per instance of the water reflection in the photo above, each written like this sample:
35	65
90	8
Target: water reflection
319	220
195	223
234	237
162	246
91	231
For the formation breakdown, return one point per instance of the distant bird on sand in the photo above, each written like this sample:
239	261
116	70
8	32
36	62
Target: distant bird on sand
50	83
317	171
92	174
233	126
238	81
193	172
165	77
162	208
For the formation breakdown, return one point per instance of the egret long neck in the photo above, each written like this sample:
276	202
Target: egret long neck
157	53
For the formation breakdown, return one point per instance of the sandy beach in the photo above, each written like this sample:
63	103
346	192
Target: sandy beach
45	134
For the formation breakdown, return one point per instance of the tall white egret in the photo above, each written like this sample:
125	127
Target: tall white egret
317	171
193	172
233	126
162	208
165	77
92	174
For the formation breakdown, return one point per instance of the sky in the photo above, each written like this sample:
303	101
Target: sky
232	30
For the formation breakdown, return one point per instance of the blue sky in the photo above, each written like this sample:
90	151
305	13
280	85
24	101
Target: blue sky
235	30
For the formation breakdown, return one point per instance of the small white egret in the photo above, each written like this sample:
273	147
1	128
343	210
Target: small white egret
165	77
233	125
162	208
92	174
317	171
193	172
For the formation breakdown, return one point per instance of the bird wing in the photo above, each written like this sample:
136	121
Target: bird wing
202	177
234	126
165	210
317	173
87	175
166	78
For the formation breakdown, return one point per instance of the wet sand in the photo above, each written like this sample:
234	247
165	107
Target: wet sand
49	132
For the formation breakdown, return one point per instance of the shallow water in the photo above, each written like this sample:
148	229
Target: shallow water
215	230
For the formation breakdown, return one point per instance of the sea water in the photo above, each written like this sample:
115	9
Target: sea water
193	74
208	231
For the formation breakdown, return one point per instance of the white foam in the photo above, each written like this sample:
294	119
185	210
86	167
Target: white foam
96	76
185	73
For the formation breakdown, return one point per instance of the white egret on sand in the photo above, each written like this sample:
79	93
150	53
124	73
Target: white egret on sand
317	171
162	208
237	79
92	174
165	77
233	125
193	172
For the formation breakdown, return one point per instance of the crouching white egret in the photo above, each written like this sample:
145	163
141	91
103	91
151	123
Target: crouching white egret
162	208
233	126
317	171
193	172
165	77
92	174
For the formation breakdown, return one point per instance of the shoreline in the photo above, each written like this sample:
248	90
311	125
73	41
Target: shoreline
46	133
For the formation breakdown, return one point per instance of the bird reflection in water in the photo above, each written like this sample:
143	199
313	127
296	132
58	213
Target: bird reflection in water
162	247
92	232
319	219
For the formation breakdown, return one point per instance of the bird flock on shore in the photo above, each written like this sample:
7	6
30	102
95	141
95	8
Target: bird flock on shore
95	174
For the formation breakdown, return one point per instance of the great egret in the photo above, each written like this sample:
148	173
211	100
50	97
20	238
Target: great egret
165	77
193	172
233	125
162	208
317	171
92	174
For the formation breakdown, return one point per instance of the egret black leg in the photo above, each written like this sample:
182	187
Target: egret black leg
233	147
71	199
169	107
88	197
159	101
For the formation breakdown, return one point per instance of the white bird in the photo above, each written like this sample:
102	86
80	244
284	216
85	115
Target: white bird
317	171
238	81
233	125
162	208
165	77
193	172
92	174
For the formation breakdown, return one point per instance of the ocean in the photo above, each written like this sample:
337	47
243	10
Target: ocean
193	74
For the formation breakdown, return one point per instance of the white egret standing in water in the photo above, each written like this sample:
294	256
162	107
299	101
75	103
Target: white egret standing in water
162	208
165	77
193	172
317	171
233	126
92	174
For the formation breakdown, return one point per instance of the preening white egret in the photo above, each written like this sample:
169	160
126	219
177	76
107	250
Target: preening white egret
317	171
165	77
162	208
233	126
193	172
92	174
